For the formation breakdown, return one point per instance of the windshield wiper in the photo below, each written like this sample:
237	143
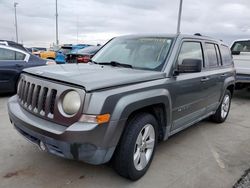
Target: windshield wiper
115	64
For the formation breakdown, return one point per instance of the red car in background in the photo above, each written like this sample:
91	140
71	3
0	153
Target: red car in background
82	55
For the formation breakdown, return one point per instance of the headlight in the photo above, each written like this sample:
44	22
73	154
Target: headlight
71	103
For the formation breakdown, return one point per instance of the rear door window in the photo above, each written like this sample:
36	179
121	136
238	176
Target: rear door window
218	54
212	56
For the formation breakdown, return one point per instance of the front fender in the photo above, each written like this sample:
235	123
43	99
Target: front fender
130	103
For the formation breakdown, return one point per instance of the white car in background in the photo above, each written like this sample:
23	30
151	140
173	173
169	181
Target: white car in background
241	55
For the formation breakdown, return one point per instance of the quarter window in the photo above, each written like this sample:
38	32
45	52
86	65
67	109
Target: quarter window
20	56
190	50
226	55
212	55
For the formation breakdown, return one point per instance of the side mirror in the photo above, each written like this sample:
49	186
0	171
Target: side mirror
235	52
190	66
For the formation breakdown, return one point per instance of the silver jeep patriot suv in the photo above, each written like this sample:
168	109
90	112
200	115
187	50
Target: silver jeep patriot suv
136	91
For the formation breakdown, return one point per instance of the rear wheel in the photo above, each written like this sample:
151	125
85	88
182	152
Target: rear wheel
222	112
137	146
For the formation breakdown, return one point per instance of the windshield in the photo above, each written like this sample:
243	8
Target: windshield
241	46
141	52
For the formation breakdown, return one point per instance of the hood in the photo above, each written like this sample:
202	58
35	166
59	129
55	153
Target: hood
93	77
242	62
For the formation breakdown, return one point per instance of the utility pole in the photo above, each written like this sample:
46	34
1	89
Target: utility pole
179	18
77	32
57	40
15	4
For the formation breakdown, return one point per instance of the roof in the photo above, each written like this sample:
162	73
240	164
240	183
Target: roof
180	36
12	44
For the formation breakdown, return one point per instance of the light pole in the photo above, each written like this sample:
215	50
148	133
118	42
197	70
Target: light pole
179	18
15	4
57	40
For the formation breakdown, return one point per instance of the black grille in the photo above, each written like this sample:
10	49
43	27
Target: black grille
41	97
36	98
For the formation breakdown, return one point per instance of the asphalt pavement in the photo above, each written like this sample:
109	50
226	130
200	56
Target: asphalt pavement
204	155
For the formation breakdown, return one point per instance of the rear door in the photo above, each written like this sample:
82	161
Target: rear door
213	72
11	64
216	74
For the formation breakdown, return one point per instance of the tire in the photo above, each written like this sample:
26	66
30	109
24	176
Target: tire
222	112
129	160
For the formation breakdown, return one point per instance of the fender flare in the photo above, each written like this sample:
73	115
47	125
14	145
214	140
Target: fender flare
128	104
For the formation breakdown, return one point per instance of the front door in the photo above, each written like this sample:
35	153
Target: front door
187	89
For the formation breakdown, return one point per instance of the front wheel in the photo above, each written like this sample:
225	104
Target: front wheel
137	146
222	112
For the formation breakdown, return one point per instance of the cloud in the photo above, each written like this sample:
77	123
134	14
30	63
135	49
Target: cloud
96	21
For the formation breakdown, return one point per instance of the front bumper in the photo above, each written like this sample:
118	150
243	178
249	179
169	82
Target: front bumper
80	141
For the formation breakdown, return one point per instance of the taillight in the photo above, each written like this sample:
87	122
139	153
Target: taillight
83	59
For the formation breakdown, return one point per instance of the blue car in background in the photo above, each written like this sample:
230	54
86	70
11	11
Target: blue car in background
12	61
66	49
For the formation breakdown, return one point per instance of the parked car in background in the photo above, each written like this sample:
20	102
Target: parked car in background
83	55
61	55
12	62
138	90
43	53
48	55
13	44
241	55
36	51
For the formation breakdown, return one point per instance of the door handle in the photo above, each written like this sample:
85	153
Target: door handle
223	75
205	79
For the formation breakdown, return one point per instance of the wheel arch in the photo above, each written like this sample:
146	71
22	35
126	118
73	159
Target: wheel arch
156	102
229	84
159	113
